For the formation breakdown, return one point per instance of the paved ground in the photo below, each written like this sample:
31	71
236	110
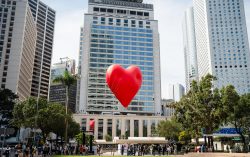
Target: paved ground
217	155
196	155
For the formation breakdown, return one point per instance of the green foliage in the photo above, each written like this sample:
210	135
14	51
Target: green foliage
74	128
7	102
66	79
207	108
108	137
200	108
79	138
184	137
169	129
237	109
50	117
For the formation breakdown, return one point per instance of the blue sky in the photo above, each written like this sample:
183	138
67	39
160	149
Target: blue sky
70	16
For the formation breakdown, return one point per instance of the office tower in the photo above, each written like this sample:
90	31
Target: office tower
222	42
57	90
44	17
79	69
167	110
191	67
120	32
17	46
176	91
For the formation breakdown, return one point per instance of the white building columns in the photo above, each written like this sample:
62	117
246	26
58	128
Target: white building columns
140	128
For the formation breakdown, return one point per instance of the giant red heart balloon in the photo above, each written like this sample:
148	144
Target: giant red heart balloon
124	83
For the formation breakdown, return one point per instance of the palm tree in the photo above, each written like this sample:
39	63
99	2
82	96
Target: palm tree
67	80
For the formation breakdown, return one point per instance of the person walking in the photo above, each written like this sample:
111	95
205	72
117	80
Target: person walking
122	149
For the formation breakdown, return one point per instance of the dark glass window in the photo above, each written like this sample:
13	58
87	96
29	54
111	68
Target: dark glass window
140	13
110	10
133	12
146	14
103	10
96	9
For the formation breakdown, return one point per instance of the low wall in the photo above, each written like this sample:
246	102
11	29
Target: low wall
217	155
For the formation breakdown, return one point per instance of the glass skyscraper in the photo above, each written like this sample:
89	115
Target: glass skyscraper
125	33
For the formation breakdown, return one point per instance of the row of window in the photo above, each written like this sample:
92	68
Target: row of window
118	47
115	58
98	31
120	11
132	30
231	66
111	37
122	42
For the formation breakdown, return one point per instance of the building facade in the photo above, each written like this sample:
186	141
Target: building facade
44	16
176	91
57	90
222	42
191	67
167	110
80	59
17	46
125	33
121	126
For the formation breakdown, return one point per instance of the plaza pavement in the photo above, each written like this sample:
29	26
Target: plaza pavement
194	155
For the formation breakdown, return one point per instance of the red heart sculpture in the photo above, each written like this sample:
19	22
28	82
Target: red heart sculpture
124	83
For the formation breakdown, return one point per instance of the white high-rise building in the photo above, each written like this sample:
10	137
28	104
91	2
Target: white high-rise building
44	17
175	91
191	67
79	70
222	42
120	32
17	47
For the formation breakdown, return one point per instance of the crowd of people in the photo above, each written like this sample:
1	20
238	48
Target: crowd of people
141	150
27	150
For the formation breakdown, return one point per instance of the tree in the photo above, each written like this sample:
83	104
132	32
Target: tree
74	128
67	80
169	129
237	109
50	117
7	102
26	112
201	108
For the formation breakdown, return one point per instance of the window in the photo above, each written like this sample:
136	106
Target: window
110	10
133	12
140	13
146	14
121	11
103	10
96	9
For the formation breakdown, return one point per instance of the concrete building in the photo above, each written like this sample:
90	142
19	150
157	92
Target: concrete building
44	17
222	42
125	33
17	47
122	126
191	67
57	91
167	110
79	69
175	91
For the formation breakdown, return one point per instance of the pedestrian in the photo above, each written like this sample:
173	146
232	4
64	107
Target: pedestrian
122	149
